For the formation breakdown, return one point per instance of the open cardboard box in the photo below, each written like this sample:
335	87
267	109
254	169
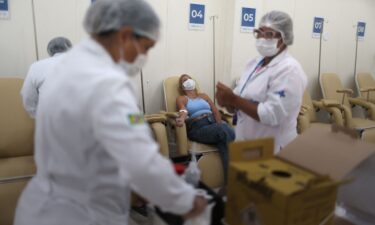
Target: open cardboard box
298	186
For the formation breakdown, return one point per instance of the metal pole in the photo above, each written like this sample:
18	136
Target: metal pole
320	50
143	94
35	31
356	51
214	54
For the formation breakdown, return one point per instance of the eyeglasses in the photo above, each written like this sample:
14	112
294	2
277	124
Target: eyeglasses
265	34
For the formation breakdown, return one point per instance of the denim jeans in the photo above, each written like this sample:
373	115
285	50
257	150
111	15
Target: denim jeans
207	131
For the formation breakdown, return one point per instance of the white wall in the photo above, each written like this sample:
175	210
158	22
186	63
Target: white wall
17	43
179	51
183	51
55	18
338	47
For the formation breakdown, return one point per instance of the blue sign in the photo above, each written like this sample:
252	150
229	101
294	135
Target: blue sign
361	28
3	5
196	16
197	12
318	27
4	9
248	17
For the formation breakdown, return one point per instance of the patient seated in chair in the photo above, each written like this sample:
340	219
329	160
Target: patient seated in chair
202	118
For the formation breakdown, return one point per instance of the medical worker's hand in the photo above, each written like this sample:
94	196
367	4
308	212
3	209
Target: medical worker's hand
224	95
199	206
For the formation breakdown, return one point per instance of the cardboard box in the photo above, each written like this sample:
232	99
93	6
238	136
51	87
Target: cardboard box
297	187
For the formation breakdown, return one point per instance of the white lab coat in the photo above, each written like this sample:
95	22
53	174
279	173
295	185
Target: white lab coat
278	88
90	152
34	81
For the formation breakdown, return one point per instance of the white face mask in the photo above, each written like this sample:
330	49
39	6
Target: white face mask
189	85
267	47
135	67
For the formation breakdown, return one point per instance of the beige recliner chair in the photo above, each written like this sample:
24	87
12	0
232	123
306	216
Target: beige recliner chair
307	116
366	86
210	163
16	147
333	90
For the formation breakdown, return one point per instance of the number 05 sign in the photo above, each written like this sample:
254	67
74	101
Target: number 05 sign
196	17
248	20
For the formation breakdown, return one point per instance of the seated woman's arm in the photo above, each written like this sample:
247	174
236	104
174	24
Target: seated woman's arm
181	102
214	109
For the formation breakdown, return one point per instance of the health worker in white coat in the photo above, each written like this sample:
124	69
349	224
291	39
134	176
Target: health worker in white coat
38	73
92	144
269	94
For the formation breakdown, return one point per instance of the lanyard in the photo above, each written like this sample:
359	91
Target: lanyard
235	117
251	74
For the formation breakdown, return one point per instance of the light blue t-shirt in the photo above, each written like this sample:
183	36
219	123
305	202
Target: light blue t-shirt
197	107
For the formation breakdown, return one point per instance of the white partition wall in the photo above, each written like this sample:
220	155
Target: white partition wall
56	18
17	43
180	50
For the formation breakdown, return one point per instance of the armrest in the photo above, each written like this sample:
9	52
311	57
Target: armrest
154	118
348	117
331	103
170	114
15	179
367	89
317	104
361	102
304	110
367	105
180	132
333	107
336	115
303	123
345	91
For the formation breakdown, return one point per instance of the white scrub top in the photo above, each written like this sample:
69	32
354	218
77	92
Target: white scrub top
33	82
92	148
278	88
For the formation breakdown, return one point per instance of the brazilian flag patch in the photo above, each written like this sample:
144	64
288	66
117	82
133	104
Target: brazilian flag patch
136	119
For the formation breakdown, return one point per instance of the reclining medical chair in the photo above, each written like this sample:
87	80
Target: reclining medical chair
333	91
210	163
16	147
366	86
308	118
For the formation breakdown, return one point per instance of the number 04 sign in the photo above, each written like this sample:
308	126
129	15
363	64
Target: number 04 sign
4	9
196	17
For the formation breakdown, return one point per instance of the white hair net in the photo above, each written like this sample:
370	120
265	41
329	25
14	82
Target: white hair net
281	22
57	45
106	16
